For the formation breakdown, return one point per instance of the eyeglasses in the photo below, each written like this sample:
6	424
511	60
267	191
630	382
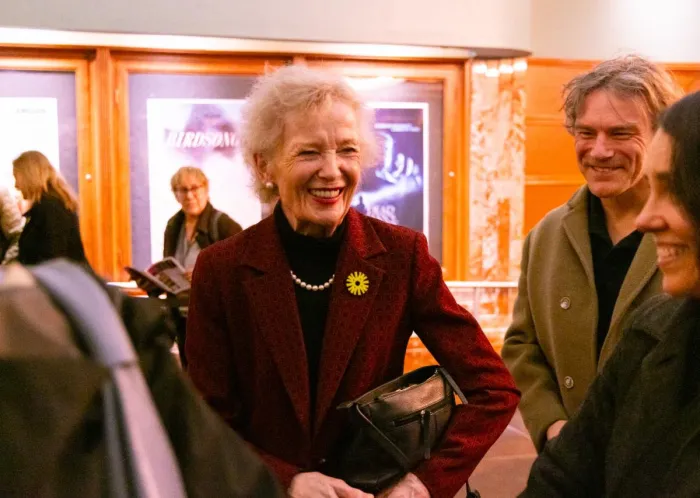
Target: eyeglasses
184	191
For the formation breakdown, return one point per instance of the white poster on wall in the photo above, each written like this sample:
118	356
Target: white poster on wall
27	123
202	133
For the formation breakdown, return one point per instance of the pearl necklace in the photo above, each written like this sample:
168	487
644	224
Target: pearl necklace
310	287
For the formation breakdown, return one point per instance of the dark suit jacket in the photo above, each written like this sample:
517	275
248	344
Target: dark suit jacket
246	348
638	431
226	227
52	231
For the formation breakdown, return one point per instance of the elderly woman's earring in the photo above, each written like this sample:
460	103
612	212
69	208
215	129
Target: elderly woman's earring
269	185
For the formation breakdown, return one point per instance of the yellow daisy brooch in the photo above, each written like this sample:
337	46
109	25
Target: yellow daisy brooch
357	283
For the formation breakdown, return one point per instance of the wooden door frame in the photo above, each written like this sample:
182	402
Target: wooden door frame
77	62
122	65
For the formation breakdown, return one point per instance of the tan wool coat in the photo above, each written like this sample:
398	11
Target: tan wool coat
551	344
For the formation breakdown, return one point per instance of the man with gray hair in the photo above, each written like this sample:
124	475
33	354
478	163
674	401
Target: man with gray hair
585	267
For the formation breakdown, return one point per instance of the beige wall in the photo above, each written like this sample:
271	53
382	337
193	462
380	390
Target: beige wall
457	23
664	30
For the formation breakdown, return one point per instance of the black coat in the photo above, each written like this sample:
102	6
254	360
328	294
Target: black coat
52	231
225	226
638	431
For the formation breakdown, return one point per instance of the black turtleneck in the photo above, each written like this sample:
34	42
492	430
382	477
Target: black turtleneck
313	260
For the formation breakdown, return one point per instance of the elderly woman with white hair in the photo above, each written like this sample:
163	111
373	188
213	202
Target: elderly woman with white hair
315	305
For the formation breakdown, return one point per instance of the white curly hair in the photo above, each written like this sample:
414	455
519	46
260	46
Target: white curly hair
289	90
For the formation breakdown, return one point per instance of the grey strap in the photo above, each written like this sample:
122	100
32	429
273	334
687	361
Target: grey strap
141	461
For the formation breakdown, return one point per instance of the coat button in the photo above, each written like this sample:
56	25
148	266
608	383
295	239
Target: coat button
568	382
565	303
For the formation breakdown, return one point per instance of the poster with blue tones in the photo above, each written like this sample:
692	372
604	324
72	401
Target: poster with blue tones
395	189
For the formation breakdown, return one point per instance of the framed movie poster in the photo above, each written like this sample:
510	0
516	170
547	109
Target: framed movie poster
181	116
406	186
199	132
45	106
396	189
38	112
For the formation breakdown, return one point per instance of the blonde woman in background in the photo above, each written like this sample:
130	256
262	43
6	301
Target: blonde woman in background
198	224
52	229
11	224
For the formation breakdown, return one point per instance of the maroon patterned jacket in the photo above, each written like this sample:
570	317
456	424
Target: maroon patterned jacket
246	348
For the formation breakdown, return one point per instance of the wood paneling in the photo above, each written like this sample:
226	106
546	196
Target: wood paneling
549	149
545	81
542	198
551	170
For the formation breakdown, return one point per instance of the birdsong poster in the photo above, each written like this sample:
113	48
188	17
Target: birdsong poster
201	133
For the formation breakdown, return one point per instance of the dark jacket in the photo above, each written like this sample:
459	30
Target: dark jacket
638	431
52	431
225	226
246	353
52	231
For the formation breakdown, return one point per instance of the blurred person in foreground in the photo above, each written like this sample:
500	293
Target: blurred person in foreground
11	225
315	305
638	431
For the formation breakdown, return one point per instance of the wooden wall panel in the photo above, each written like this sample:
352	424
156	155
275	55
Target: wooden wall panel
549	149
542	198
545	81
551	171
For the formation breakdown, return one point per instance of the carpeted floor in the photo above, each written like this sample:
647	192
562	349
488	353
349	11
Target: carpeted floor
503	471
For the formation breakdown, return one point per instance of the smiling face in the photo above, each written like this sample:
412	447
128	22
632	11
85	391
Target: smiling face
674	233
611	135
317	168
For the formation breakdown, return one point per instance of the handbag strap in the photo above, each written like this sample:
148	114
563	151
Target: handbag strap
386	444
453	385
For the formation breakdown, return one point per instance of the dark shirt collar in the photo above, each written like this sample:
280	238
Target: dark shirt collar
598	228
294	240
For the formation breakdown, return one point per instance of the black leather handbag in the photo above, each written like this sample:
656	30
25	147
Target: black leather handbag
395	426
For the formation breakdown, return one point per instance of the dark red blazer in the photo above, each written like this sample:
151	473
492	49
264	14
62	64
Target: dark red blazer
246	348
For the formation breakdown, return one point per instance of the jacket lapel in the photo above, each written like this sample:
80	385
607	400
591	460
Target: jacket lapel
348	313
273	306
576	229
638	276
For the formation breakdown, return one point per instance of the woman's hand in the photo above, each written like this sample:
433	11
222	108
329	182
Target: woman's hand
317	485
408	487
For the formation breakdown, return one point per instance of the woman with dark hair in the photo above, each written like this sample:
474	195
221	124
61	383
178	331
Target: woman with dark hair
638	431
52	229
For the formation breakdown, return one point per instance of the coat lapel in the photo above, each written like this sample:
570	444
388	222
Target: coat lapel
638	276
576	229
348	313
273	305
